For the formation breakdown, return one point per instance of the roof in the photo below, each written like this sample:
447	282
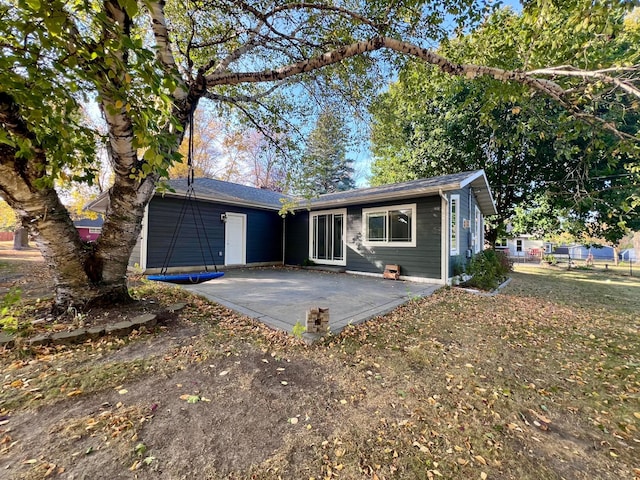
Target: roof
89	222
234	193
424	186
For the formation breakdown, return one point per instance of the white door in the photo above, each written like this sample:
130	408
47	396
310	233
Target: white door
235	239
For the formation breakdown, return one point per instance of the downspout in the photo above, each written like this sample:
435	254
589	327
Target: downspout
444	220
470	233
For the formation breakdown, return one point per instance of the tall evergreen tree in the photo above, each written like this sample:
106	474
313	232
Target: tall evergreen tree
325	167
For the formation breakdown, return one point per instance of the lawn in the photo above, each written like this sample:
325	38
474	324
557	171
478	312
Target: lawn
540	381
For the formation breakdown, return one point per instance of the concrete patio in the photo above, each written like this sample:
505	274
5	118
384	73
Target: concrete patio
280	297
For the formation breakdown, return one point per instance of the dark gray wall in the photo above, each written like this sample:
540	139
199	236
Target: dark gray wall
297	238
196	246
423	260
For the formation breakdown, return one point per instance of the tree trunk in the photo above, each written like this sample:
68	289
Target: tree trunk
83	274
82	277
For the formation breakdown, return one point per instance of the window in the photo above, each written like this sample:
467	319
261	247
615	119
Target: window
454	224
502	242
518	245
394	225
327	236
478	224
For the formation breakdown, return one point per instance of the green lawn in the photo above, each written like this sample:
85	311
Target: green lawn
540	381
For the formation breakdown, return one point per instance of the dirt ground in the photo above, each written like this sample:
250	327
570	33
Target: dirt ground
517	386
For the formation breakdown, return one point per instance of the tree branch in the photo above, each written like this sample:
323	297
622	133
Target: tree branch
586	74
163	51
377	43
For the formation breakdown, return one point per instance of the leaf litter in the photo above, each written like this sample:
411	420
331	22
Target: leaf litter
521	385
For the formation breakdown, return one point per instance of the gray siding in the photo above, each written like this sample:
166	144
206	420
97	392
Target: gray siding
297	238
423	260
468	203
196	246
134	259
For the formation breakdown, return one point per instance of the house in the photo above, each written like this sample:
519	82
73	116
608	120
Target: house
88	228
628	255
598	252
523	246
429	227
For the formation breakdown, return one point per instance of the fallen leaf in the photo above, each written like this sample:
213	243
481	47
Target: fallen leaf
223	373
483	476
293	420
284	383
421	447
480	459
123	391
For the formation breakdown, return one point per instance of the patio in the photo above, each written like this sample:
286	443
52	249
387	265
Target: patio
280	297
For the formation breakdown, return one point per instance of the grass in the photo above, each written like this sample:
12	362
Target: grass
541	381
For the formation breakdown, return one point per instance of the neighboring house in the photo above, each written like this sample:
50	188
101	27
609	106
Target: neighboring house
426	226
581	252
628	255
522	246
89	229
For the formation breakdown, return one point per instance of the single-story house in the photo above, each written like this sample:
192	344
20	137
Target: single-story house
523	246
598	252
89	228
628	255
426	226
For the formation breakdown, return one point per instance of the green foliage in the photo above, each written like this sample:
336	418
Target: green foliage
325	167
298	330
8	321
8	218
488	269
541	162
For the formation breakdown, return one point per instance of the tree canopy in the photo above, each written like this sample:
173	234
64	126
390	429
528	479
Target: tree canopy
149	64
530	146
325	167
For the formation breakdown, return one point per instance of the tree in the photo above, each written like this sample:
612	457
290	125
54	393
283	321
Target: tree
325	167
263	164
429	124
149	65
207	158
8	218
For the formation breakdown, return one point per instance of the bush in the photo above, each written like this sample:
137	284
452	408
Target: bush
488	269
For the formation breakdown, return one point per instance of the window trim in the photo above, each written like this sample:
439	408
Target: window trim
343	212
478	228
454	250
387	242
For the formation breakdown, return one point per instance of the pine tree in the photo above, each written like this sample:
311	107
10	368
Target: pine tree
325	167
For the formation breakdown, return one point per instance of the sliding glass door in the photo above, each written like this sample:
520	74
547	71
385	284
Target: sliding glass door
327	237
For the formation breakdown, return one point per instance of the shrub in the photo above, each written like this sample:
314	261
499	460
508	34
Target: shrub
7	320
488	269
